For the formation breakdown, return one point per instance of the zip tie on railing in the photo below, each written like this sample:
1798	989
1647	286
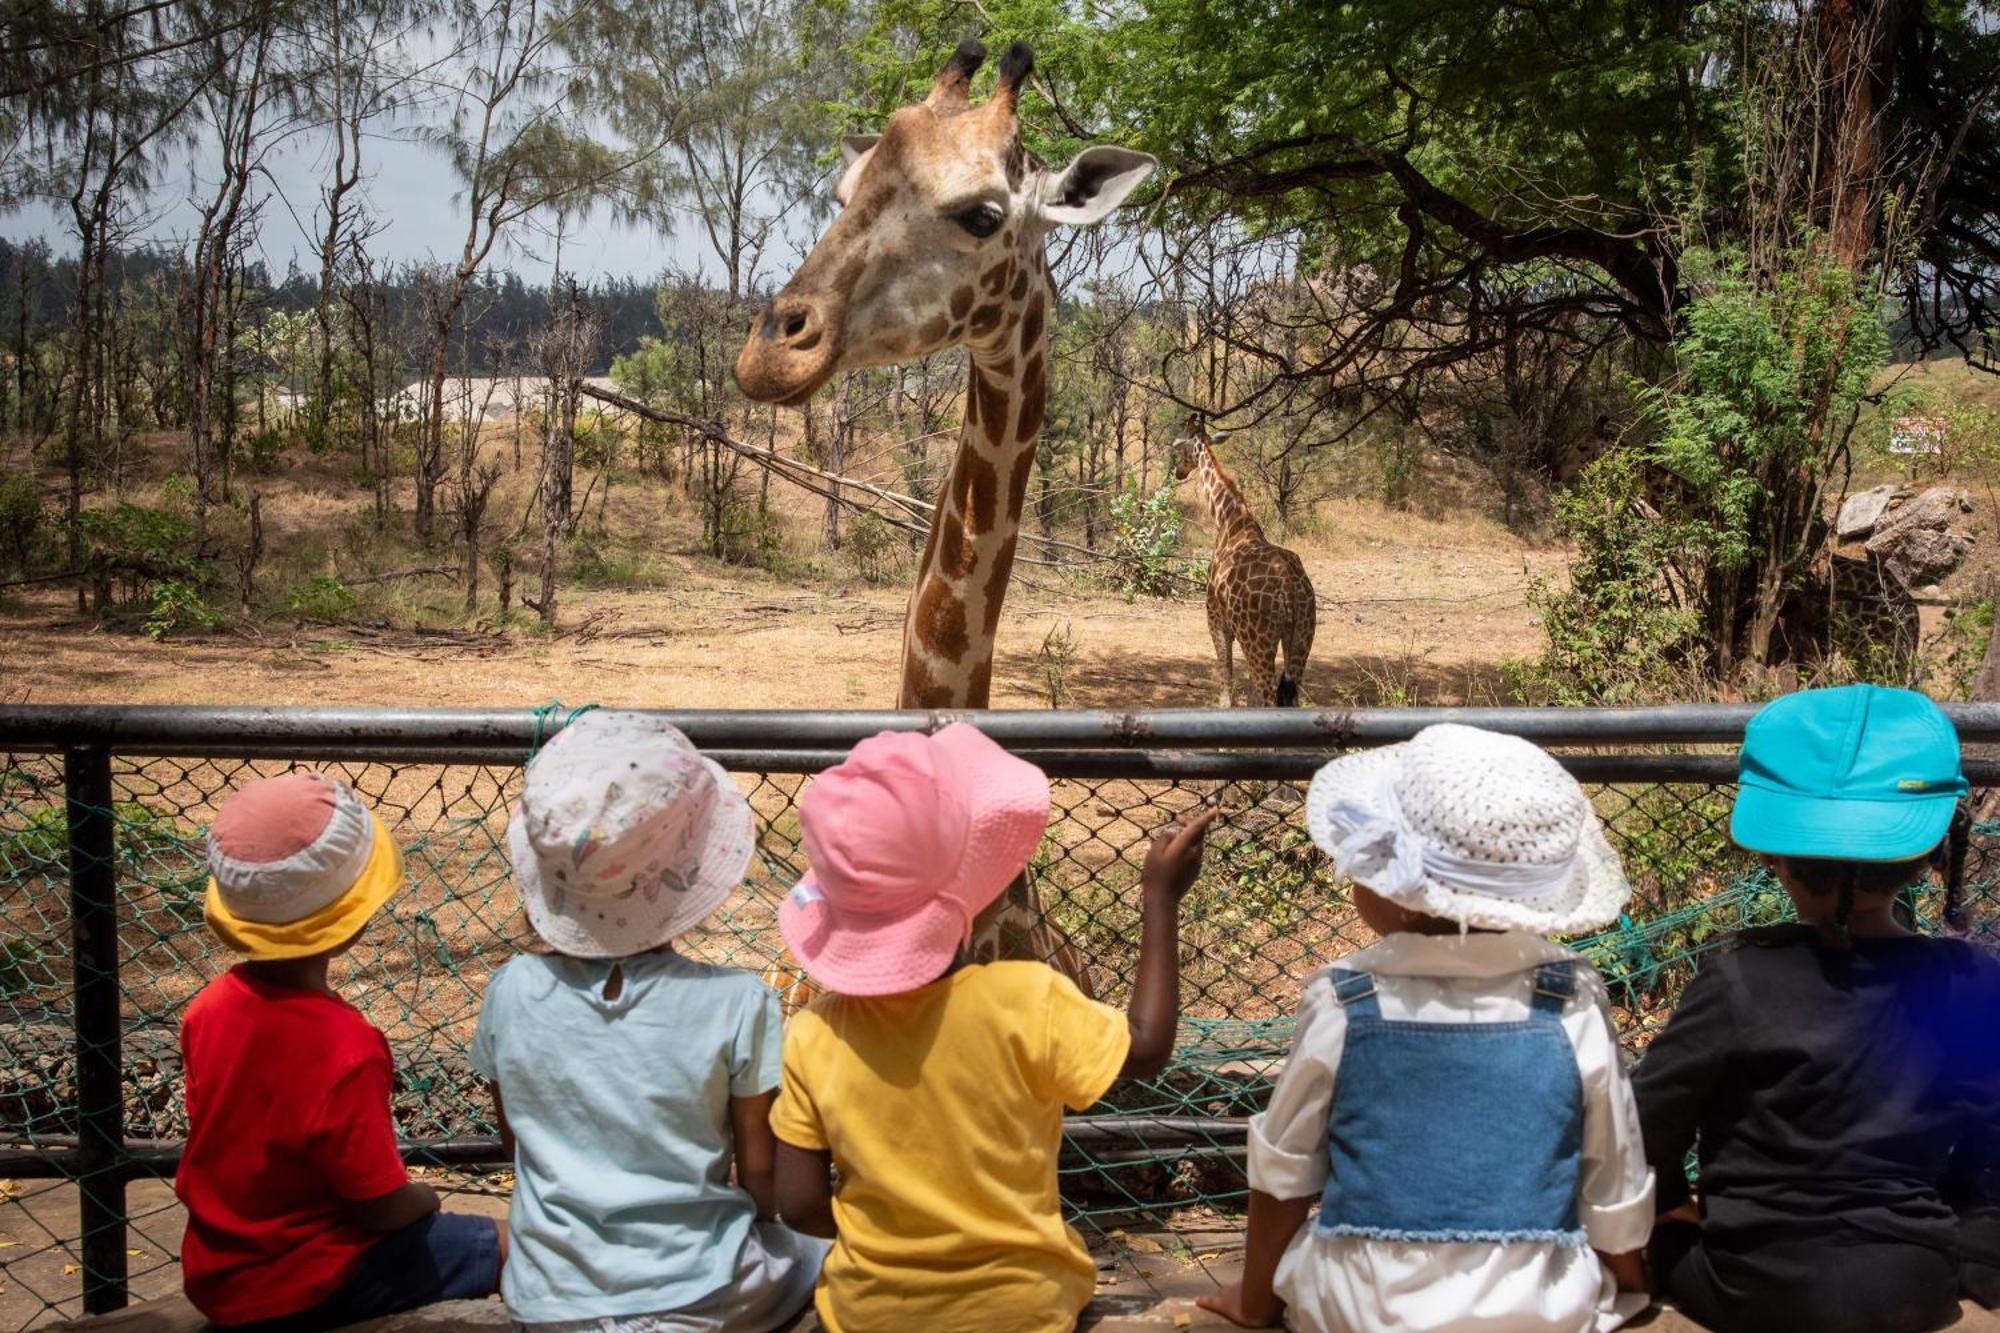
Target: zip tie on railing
543	712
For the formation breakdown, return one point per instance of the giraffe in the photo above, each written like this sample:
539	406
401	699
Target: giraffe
938	244
1258	592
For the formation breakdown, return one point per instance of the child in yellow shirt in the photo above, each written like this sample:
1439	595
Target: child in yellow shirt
935	1085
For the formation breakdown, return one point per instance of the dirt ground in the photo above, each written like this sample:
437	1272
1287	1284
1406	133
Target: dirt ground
1413	610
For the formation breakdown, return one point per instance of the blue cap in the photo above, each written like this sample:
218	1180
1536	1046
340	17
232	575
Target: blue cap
1859	773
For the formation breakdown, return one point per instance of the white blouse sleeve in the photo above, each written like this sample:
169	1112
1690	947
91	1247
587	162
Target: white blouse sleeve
1287	1157
1616	1185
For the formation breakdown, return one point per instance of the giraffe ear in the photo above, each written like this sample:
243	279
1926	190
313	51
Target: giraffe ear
854	149
1095	182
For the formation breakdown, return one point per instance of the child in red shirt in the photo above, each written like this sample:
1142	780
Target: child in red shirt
300	1214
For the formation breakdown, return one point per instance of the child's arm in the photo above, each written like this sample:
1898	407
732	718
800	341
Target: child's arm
412	1201
750	1124
500	1125
804	1189
1615	1186
1675	1081
1171	865
1250	1300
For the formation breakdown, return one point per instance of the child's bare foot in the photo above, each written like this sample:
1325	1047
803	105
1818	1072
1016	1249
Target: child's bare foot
1235	1306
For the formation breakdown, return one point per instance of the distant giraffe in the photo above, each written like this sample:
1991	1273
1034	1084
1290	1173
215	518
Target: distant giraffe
939	244
1258	592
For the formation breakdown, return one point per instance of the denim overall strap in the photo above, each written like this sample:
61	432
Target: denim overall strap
1356	993
1469	1132
1554	984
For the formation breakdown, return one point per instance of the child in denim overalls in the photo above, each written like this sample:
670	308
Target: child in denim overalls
1454	1100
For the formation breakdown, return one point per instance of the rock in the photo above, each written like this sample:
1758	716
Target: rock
1859	513
1924	554
1918	541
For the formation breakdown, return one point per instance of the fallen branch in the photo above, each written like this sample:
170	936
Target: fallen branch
43	578
769	457
415	572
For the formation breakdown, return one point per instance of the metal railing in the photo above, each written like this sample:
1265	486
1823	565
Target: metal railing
101	942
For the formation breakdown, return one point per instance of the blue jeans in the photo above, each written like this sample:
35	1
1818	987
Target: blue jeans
443	1257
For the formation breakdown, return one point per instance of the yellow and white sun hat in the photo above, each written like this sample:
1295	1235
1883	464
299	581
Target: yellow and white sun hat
297	865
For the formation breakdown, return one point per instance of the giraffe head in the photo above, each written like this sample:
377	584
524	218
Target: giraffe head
1187	449
938	241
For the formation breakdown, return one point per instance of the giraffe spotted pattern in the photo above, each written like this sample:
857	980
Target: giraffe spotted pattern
1259	598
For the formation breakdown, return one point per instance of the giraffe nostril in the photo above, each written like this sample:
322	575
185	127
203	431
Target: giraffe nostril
795	324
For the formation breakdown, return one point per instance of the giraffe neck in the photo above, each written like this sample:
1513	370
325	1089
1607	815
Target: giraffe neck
1233	520
962	581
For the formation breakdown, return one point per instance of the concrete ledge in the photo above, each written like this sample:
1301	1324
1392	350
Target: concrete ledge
1169	1305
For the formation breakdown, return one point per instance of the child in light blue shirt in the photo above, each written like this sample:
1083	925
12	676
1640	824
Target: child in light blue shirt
634	1084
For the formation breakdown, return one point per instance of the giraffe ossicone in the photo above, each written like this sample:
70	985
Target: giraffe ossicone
938	244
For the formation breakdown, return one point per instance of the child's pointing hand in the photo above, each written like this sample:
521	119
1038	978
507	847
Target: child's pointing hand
1174	858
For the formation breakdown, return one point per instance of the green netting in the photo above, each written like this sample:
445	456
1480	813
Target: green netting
1264	916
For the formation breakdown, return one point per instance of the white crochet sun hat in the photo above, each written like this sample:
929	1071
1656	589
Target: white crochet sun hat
625	836
1469	825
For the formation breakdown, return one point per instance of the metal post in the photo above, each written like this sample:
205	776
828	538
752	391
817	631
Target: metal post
100	1099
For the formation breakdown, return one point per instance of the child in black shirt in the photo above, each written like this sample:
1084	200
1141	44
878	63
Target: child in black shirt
1839	1078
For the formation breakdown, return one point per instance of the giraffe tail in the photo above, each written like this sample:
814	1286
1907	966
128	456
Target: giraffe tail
1288	690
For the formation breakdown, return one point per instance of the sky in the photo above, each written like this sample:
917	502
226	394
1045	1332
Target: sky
413	197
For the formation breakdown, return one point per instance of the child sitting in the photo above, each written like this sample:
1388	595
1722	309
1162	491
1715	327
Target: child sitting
1454	1100
300	1214
935	1085
632	1085
1836	1075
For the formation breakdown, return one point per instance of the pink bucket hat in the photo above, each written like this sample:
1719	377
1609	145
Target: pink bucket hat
625	836
908	839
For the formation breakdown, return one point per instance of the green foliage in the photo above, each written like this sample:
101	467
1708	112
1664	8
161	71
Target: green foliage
321	597
162	863
177	494
1145	539
1054	659
595	562
178	606
139	543
1690	542
1960	649
750	535
1275	877
873	545
26	968
21	521
1611	637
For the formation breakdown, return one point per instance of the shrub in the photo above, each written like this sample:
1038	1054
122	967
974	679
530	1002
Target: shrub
872	544
1692	541
177	493
21	521
321	597
134	539
748	535
1145	537
595	563
162	865
179	606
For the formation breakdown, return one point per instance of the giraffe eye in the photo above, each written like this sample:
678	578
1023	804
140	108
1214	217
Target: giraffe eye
982	220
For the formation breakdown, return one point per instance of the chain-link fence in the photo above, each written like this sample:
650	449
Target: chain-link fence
102	943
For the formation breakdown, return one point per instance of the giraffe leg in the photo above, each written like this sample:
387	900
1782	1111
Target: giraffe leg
1299	634
1260	658
1222	660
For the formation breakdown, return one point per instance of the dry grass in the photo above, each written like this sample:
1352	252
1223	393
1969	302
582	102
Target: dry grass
1415	608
